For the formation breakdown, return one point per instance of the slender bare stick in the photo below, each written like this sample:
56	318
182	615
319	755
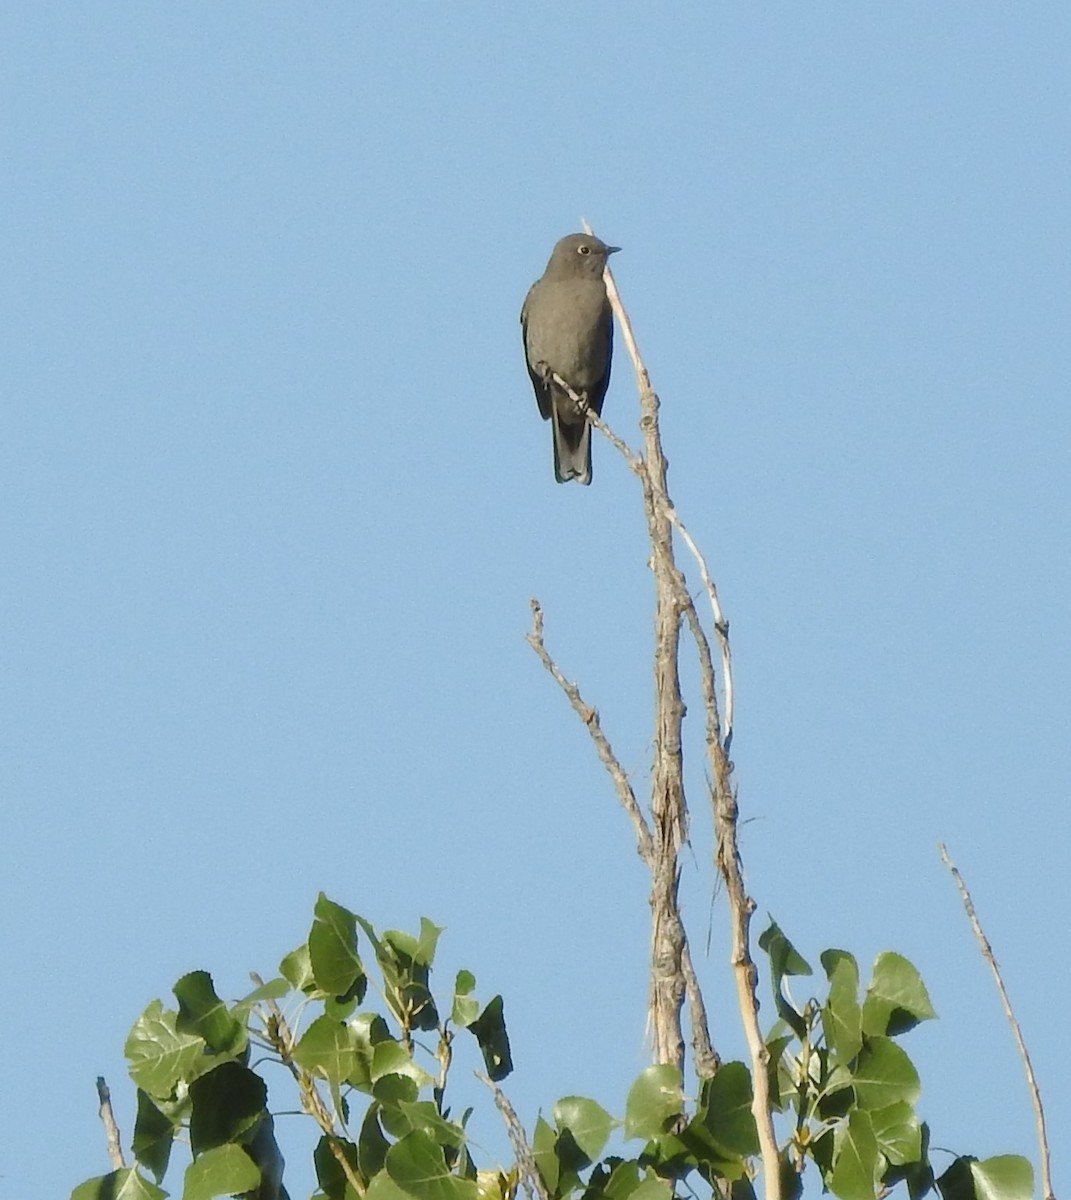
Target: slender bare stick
1017	1033
634	461
705	1056
590	718
530	1176
721	628
111	1129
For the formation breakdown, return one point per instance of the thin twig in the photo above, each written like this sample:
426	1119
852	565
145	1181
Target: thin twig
279	1034
721	628
590	717
637	465
619	444
1017	1033
706	1058
530	1176
111	1129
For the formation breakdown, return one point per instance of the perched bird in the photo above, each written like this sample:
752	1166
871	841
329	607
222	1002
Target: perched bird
569	331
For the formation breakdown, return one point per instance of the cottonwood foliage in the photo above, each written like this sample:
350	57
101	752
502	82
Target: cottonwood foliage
353	1019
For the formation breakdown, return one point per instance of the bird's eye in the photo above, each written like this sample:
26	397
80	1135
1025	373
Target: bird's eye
582	249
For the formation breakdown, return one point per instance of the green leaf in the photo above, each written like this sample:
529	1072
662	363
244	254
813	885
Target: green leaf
957	1183
328	1049
154	1134
544	1143
159	1055
918	1174
898	1132
855	1160
784	960
494	1185
417	1165
411	960
227	1103
588	1122
422	1115
466	1007
126	1184
777	1077
406	964
791	1181
820	1149
203	1013
339	1009
652	1188
837	1097
465	1168
372	1146
264	1150
1006	1177
896	998
725	1110
336	965
273	989
368	1030
489	1029
675	1156
653	1100
623	1179
329	1173
392	1058
391	1091
420	951
296	969
224	1171
382	1187
884	1075
842	1017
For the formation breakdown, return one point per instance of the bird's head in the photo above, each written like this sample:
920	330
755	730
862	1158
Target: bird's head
579	255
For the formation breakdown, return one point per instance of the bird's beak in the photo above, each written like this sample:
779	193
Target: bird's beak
612	249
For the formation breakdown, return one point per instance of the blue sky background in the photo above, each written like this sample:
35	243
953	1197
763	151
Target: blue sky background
274	495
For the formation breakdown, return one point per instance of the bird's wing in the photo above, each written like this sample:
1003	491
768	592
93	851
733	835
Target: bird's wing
598	393
540	386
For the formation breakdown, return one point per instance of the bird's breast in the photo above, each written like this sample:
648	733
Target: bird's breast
568	329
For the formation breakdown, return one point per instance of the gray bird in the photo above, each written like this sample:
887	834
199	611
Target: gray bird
569	331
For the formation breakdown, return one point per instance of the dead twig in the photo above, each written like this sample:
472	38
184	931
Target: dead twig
590	718
1017	1033
111	1129
530	1176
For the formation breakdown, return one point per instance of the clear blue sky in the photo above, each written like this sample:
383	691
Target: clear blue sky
275	495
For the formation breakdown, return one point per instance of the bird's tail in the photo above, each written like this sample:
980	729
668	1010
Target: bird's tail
572	450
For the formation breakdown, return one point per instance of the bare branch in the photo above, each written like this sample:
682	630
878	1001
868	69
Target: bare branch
637	465
1024	1054
673	600
619	444
590	717
111	1129
530	1176
721	628
704	1055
